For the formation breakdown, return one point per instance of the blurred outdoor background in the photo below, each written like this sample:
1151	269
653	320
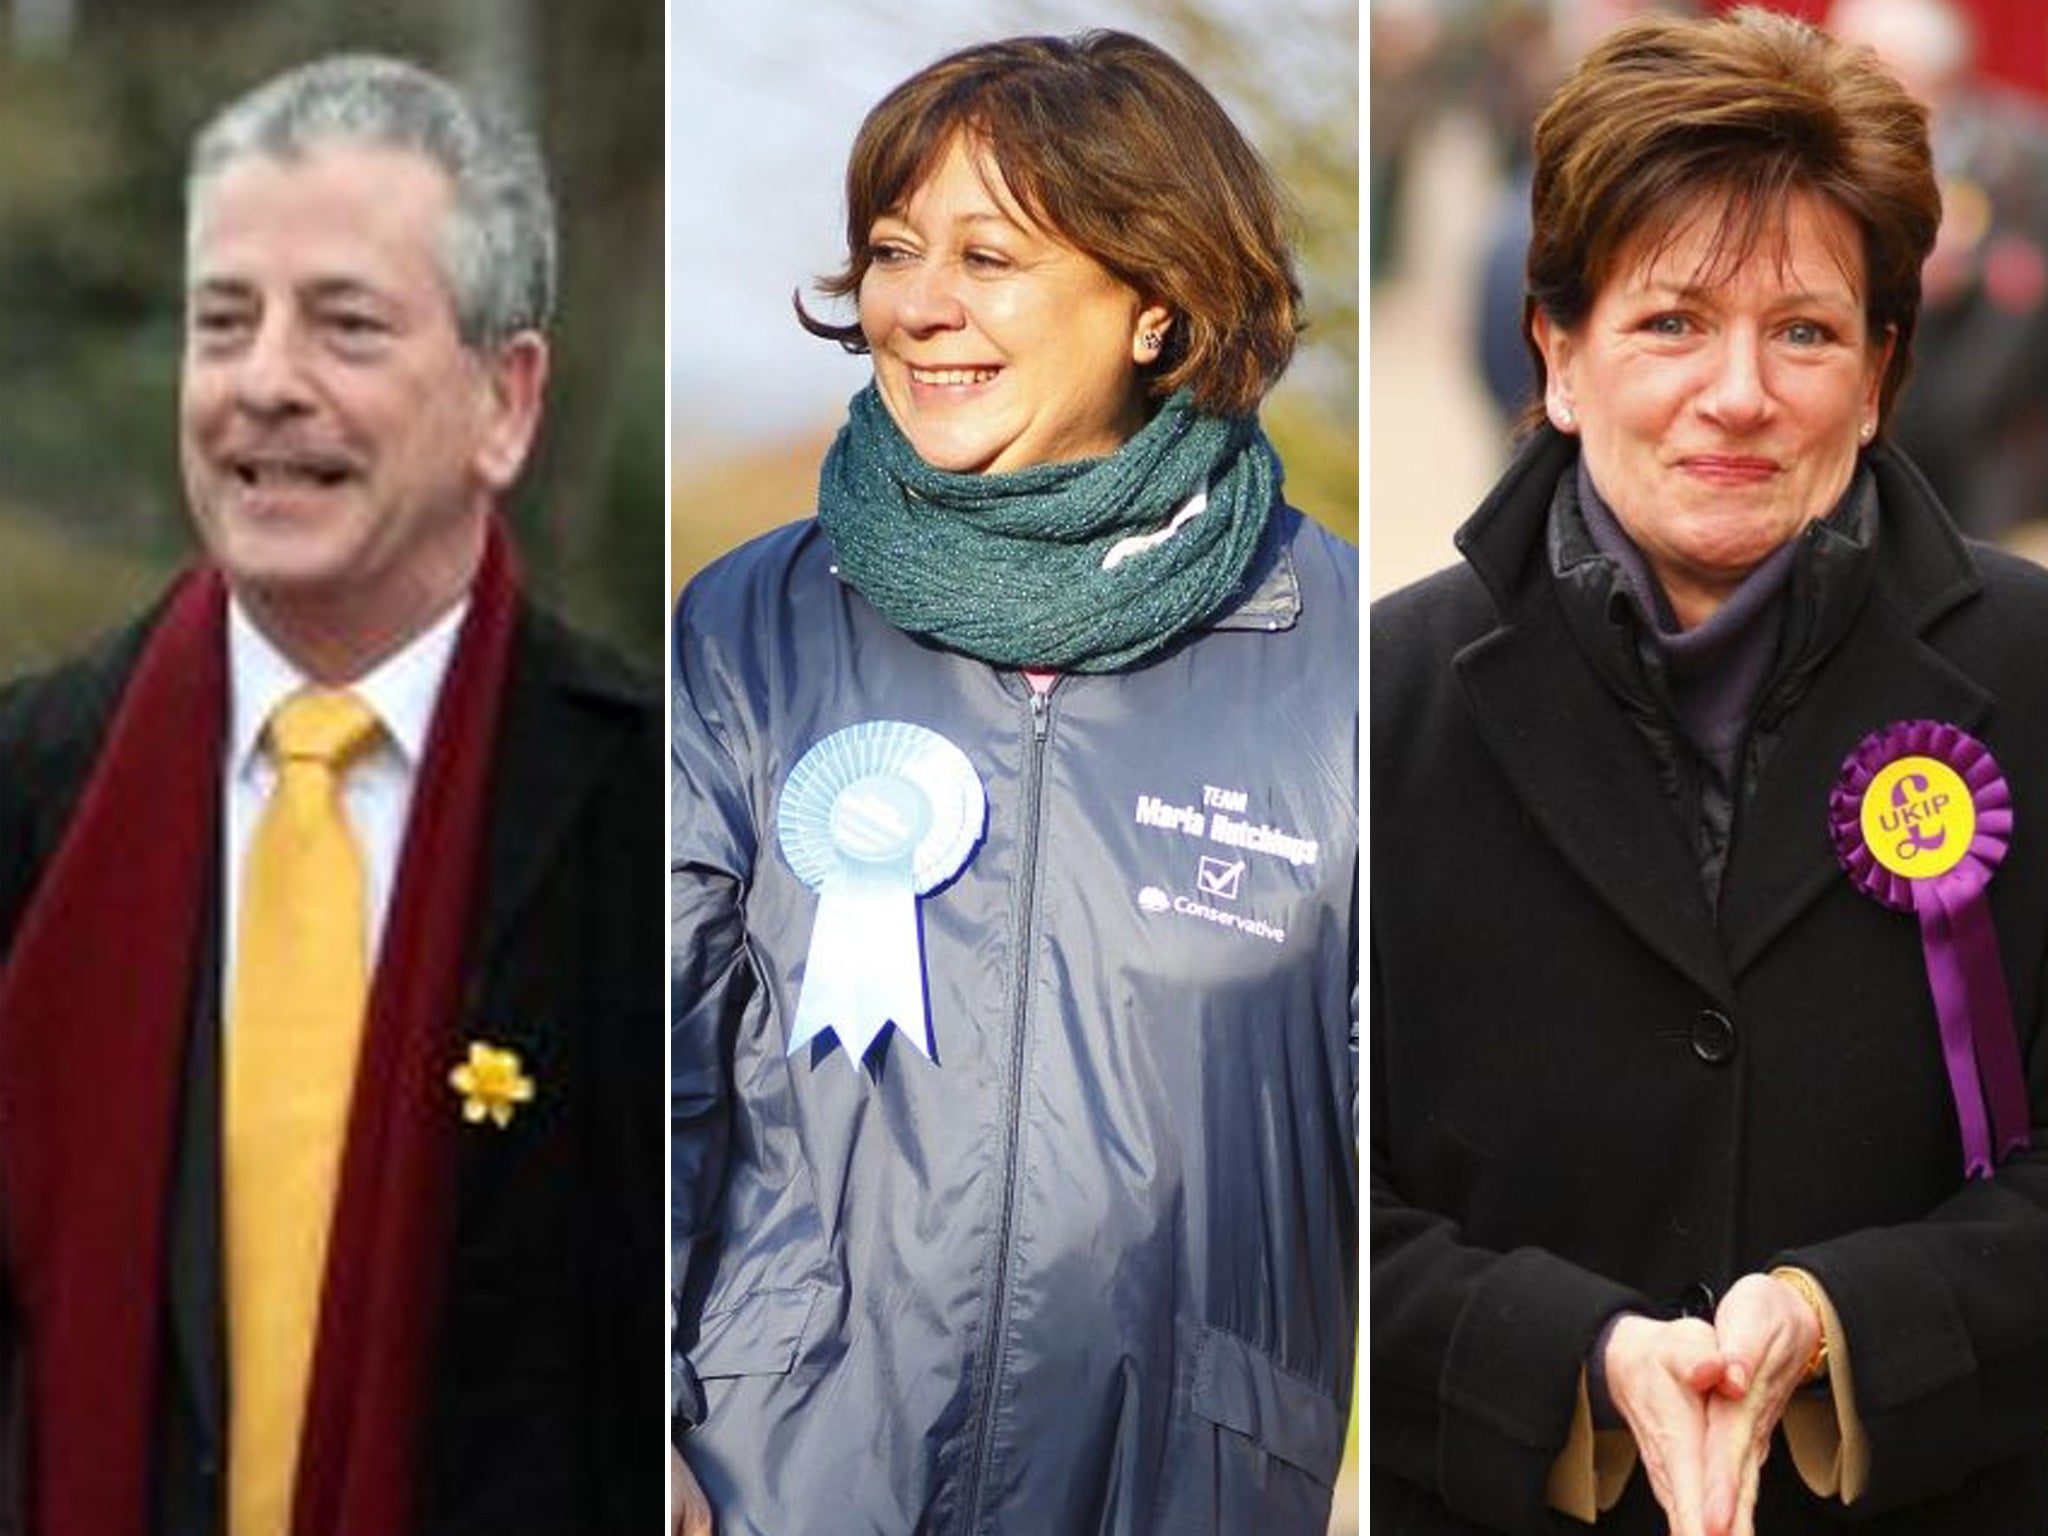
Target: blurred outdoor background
1455	86
98	102
764	103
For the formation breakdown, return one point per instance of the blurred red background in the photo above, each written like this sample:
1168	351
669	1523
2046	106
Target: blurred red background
2012	35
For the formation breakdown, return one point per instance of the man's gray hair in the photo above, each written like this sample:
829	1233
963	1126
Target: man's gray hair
498	250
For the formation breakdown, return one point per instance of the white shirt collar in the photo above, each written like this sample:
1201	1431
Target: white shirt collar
402	688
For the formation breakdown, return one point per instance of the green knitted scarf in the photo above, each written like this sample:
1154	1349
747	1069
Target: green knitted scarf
1009	567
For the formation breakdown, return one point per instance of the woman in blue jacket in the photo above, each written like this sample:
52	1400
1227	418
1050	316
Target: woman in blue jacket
1015	863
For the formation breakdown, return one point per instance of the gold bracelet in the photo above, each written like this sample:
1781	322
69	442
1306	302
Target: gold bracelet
1800	1281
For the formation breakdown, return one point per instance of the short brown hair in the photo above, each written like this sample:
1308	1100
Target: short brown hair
1111	146
1666	114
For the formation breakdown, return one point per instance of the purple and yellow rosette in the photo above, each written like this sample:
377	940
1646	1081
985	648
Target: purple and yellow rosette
873	817
1921	817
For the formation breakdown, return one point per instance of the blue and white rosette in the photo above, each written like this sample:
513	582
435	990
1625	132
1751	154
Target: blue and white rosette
873	817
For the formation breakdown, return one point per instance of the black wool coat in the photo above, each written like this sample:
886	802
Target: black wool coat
1591	1091
555	1300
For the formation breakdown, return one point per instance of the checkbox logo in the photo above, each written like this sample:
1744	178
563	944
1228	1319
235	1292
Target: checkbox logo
1219	877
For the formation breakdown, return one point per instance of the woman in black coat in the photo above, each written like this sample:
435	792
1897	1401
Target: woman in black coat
1710	896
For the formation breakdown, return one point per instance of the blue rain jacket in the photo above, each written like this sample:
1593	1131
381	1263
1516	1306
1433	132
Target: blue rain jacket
1094	1268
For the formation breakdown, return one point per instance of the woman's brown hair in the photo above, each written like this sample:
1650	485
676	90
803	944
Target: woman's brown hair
1667	116
1112	147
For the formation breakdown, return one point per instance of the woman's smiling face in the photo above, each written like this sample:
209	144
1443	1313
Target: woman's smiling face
996	345
1721	411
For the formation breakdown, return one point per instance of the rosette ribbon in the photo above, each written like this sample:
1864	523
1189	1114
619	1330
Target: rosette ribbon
873	817
1921	816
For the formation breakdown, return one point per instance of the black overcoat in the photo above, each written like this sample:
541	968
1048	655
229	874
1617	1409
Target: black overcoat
1588	1092
535	1420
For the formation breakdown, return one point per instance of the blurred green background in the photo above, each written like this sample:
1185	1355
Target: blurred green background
98	102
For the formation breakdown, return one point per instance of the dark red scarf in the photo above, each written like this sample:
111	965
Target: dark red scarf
95	1004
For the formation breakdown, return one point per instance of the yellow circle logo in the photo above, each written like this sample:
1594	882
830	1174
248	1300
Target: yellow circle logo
1918	817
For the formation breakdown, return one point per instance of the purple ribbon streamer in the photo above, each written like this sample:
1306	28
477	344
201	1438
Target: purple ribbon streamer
1988	1008
1948	977
1979	1046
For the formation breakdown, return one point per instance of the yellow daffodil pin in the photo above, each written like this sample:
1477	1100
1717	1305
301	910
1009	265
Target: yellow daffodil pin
491	1084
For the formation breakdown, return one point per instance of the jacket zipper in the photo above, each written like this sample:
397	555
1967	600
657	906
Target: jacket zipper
986	1368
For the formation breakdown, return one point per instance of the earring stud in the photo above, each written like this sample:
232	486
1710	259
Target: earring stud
1565	417
1150	341
1867	431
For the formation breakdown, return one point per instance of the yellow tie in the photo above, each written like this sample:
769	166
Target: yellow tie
295	1018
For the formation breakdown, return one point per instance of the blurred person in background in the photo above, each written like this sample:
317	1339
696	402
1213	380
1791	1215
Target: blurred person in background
1706	1047
1014	863
327	1200
1544	40
1976	419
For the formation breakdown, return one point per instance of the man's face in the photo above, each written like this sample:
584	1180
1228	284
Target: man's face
342	447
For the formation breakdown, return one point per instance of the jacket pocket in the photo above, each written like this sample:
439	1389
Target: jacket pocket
759	1335
1239	1388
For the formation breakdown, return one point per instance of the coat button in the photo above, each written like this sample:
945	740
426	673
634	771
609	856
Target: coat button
1713	1037
1697	1300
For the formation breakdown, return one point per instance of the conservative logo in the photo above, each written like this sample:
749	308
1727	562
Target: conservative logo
1216	880
1222	820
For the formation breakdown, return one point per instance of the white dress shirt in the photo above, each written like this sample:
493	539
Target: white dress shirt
377	789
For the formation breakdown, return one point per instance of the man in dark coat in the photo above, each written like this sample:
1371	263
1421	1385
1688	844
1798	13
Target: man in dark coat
370	274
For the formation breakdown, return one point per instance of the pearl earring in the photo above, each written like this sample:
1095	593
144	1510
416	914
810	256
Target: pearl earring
1867	431
1565	418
